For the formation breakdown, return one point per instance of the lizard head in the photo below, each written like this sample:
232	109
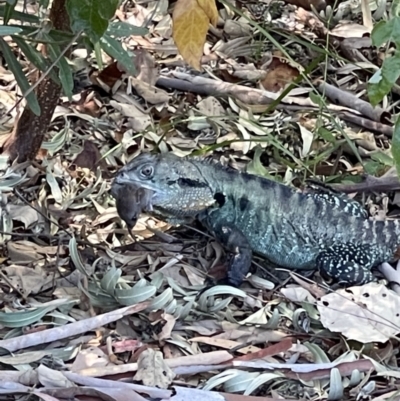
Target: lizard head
176	187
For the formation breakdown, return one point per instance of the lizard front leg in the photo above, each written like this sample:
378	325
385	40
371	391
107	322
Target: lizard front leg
347	264
236	243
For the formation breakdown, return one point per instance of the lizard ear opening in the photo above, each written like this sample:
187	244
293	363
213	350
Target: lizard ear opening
220	198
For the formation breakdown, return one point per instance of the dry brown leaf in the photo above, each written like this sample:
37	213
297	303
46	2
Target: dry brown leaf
23	213
279	76
92	357
298	294
349	30
28	280
366	313
226	344
152	369
168	327
149	92
191	19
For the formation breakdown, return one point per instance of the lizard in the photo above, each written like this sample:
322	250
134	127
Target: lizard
318	229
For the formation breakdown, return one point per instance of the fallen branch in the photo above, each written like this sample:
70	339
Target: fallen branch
252	97
371	184
345	98
69	330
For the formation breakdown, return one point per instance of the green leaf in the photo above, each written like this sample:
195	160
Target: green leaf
110	280
255	166
9	30
22	17
75	257
396	145
383	80
91	16
382	158
52	35
385	31
64	70
16	69
114	49
372	167
396	8
140	292
98	55
35	57
44	4
326	134
119	29
8	10
26	318
317	99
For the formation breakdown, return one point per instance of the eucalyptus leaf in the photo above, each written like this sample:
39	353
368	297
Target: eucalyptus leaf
240	382
261	380
75	257
221	378
54	187
64	70
172	307
220	305
273	321
186	309
98	297
57	140
255	166
318	354
8	11
220	290
9	184
161	300
17	15
181	344
25	318
9	30
176	287
336	389
138	293
35	57
16	69
110	280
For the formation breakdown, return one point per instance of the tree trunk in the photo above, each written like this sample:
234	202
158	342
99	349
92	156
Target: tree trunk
25	141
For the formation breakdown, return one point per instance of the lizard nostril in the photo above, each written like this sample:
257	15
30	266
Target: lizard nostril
121	177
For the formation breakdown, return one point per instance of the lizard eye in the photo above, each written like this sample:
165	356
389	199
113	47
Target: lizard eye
147	171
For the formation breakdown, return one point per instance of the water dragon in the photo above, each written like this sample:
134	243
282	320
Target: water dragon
319	229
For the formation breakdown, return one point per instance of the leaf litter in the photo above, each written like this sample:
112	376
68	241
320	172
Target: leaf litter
88	309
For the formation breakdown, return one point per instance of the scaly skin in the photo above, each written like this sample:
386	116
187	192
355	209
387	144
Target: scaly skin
319	229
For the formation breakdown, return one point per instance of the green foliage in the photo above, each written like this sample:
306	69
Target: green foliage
15	67
89	18
383	80
396	146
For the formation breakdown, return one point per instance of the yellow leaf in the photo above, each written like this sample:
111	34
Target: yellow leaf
210	9
190	25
